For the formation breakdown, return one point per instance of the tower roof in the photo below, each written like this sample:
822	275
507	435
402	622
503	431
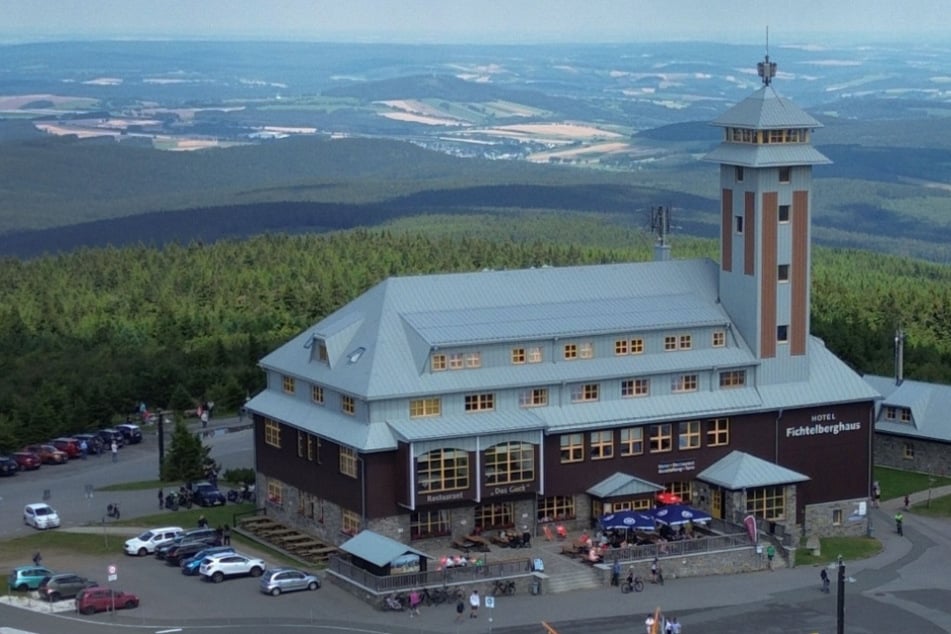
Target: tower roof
766	110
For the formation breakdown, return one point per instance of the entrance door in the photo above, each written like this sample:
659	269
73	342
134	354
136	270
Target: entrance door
716	503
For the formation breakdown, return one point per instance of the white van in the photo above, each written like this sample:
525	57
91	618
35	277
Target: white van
147	542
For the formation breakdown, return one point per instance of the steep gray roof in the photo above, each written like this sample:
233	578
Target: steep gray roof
739	470
766	110
622	484
930	405
378	549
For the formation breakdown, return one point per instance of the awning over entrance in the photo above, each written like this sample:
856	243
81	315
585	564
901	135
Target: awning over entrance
739	470
378	549
622	484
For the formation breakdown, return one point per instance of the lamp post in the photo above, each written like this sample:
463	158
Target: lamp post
840	599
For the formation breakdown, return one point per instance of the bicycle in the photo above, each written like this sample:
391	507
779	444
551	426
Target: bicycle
632	585
503	587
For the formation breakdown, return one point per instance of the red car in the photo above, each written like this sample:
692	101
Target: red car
48	454
92	600
68	445
27	460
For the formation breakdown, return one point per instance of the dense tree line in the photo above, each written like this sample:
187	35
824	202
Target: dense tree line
85	336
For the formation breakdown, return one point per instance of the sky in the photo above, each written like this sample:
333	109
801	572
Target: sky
474	22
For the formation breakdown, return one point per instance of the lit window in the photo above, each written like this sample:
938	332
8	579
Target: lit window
767	502
584	392
688	435
586	350
317	394
511	462
518	356
635	387
479	402
438	362
456	361
661	438
718	432
782	273
421	407
621	347
684	383
535	397
571	351
719	338
349	522
670	343
272	433
632	441
637	346
785	174
347	404
685	342
535	354
782	333
348	461
784	213
572	447
287	383
602	444
474	360
733	378
443	470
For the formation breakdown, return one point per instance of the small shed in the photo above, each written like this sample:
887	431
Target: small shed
382	556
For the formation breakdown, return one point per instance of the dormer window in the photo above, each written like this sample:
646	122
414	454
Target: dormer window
322	354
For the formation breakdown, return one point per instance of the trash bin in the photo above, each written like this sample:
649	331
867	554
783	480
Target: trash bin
536	585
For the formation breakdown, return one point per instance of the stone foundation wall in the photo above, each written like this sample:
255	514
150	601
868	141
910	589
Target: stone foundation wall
724	562
926	456
820	520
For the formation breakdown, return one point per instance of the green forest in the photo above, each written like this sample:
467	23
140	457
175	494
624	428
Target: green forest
85	336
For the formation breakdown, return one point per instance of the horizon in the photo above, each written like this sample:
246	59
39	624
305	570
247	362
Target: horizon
488	22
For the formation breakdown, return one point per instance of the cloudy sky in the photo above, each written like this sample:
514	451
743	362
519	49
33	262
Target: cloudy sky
467	21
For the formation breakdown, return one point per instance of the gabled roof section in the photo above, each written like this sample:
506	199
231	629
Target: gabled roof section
622	484
739	470
766	110
337	334
929	404
378	549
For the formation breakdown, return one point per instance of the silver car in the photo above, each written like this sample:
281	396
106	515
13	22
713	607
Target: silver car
274	582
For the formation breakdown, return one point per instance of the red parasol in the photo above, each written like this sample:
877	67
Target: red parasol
666	497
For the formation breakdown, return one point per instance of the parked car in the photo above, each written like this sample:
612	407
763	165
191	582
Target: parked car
48	454
274	582
93	442
63	586
23	578
147	542
132	433
92	600
8	466
177	553
190	565
108	435
70	446
208	536
40	515
207	494
26	460
217	568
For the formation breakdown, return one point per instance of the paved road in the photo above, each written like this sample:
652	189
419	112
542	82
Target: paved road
906	588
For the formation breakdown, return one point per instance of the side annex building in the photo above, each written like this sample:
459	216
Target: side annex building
440	405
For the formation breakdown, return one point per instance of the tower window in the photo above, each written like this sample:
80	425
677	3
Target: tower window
739	173
738	223
784	213
782	333
782	273
785	174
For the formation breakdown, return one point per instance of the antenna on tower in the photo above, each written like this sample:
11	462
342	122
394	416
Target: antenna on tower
766	69
660	224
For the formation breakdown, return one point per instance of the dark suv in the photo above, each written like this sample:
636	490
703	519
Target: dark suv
8	466
131	432
108	435
63	586
207	536
207	494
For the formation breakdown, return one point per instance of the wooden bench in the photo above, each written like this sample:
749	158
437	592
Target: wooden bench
479	542
462	543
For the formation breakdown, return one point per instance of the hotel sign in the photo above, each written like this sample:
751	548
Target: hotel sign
491	491
822	425
678	466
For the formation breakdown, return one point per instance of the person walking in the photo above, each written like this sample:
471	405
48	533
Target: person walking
115	451
460	610
616	573
415	599
37	558
899	518
161	499
824	576
226	536
770	553
474	604
907	501
83	448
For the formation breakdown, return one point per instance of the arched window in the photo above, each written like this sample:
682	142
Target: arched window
510	462
443	470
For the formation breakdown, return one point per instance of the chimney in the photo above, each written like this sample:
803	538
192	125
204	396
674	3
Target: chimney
899	356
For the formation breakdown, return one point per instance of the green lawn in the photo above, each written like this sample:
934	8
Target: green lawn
850	548
898	484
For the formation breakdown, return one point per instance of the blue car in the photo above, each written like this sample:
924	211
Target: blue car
190	566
